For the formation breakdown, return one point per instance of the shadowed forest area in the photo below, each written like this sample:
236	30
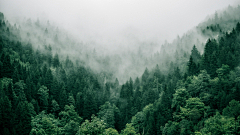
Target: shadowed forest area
51	84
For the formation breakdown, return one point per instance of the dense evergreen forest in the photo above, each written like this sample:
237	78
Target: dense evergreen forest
197	91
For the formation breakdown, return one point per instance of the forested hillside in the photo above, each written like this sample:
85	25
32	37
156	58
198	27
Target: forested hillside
193	87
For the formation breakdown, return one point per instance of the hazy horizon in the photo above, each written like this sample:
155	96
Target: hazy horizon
118	23
118	28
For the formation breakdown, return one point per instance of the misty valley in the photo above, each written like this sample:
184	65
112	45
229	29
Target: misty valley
53	83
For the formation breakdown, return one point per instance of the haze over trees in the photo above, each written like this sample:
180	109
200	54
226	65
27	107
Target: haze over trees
189	86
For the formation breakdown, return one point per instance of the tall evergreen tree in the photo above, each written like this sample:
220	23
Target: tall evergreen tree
7	69
43	94
192	68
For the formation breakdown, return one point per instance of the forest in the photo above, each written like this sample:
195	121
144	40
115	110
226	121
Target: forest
191	86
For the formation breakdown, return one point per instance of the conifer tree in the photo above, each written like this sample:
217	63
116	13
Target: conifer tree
43	94
195	54
192	68
7	69
56	62
89	106
5	115
145	76
23	118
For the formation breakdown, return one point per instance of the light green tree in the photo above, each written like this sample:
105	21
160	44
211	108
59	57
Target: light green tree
94	127
180	97
111	131
233	110
193	110
138	121
70	120
129	130
220	125
108	113
44	124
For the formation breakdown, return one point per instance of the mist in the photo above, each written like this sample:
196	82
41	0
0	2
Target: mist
111	23
118	27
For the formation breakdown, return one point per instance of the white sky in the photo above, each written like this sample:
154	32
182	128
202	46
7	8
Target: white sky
106	20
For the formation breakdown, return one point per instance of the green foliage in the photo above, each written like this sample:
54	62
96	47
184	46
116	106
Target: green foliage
193	110
111	131
233	110
71	128
145	76
79	103
149	123
129	130
44	124
195	54
94	127
180	97
199	85
160	102
192	67
43	97
5	113
71	100
220	125
55	107
138	121
171	128
223	71
6	68
56	62
23	114
47	123
89	105
108	113
69	114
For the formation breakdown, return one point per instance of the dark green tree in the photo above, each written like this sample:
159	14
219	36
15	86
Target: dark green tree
56	62
43	98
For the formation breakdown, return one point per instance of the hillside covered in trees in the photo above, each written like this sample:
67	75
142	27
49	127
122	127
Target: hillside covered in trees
191	86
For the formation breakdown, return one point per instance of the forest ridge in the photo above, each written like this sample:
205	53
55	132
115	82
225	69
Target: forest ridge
181	91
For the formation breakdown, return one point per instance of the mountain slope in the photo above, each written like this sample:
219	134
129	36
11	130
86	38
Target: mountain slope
188	86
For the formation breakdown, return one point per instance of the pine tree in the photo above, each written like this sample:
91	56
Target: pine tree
238	27
49	55
123	92
71	100
5	114
195	54
56	62
192	68
43	94
89	106
48	79
55	109
145	76
137	98
116	83
130	89
10	92
22	118
79	103
63	75
7	69
54	91
15	76
136	83
62	98
106	92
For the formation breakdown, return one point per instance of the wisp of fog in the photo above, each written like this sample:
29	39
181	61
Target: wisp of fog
118	26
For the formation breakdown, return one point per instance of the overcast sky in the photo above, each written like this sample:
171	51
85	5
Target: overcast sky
108	20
